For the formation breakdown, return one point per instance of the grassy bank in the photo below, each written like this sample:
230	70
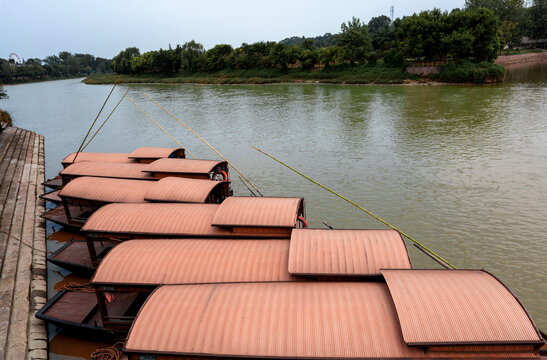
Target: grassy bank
340	74
471	72
459	72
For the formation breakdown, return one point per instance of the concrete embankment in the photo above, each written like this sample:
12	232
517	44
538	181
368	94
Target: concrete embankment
22	245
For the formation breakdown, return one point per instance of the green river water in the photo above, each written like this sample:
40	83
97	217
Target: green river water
461	168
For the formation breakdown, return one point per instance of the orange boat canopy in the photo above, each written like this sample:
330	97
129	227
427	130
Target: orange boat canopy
271	320
458	307
346	252
106	190
194	261
101	157
107	169
174	189
160	219
184	166
154	153
110	190
239	211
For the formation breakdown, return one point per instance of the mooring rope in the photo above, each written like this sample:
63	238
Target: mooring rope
158	125
111	353
362	209
94	121
72	286
206	143
104	122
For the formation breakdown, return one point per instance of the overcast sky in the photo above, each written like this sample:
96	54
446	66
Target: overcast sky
36	29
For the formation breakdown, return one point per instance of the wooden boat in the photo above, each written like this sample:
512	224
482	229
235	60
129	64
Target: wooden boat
52	196
155	170
407	316
84	195
267	218
138	267
143	155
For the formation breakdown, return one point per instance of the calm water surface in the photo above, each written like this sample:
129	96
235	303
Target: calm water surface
463	169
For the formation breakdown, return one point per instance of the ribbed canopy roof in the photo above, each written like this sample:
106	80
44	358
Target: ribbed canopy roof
107	169
101	157
194	261
107	189
183	166
271	320
346	252
153	153
258	211
457	307
174	189
156	219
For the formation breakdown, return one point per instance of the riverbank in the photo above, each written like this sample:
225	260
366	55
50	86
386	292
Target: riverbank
522	59
341	74
460	72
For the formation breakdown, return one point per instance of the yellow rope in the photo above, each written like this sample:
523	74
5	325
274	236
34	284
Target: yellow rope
158	125
104	122
360	208
206	143
94	121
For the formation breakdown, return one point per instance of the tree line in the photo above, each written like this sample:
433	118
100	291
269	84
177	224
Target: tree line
63	65
475	33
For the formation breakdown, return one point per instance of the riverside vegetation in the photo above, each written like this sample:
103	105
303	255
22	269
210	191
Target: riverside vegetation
377	52
463	43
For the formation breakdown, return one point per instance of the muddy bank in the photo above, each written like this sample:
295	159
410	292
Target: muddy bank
522	59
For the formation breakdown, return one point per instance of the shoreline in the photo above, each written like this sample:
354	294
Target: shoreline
511	61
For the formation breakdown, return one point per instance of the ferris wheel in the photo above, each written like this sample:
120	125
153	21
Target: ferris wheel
13	56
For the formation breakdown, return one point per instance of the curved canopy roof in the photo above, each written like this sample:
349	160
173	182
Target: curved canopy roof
174	189
156	219
183	166
194	261
155	153
346	252
258	211
102	157
457	307
107	169
111	190
107	189
271	320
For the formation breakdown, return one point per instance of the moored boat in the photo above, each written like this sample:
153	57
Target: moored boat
414	314
140	266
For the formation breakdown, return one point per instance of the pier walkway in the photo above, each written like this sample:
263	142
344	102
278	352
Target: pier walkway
23	287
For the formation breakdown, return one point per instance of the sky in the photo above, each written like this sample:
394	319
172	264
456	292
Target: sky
36	29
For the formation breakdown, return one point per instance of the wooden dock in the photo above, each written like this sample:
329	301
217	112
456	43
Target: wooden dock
23	287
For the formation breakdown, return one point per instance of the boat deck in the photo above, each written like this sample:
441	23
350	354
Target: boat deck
22	245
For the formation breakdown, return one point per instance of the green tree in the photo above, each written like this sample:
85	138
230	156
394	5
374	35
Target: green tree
381	32
328	55
538	19
218	57
192	56
508	34
121	63
354	40
3	93
504	9
284	55
421	36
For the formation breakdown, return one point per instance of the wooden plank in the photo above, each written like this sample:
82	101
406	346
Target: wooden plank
11	217
17	331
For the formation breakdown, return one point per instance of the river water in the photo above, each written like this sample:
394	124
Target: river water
461	168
